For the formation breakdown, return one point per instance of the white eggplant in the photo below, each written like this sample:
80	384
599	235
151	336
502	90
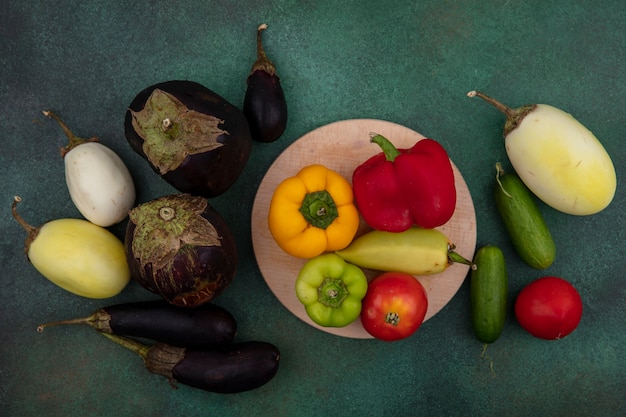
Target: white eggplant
559	159
77	255
99	182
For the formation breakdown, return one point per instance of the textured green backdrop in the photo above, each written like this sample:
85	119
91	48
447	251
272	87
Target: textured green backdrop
409	62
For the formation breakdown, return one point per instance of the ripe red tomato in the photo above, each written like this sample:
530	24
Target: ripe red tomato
549	308
394	306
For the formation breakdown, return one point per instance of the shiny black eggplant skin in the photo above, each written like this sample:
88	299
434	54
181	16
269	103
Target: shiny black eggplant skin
207	174
231	369
207	325
265	106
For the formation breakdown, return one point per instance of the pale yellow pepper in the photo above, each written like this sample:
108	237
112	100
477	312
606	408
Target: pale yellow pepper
313	212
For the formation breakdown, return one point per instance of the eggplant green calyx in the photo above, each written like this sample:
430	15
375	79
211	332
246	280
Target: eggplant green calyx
319	209
159	359
171	131
390	151
262	62
513	116
172	221
74	140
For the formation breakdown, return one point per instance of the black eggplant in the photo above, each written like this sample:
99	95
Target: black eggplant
264	104
181	248
158	320
226	369
193	138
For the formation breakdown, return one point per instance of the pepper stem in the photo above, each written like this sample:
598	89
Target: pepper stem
319	209
332	292
74	140
390	151
454	257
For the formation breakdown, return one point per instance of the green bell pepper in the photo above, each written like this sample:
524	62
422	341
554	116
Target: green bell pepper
331	290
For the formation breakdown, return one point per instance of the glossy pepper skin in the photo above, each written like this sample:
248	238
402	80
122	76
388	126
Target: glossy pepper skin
398	188
331	290
415	251
313	212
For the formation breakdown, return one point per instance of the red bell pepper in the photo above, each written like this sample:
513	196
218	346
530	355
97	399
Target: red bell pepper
400	187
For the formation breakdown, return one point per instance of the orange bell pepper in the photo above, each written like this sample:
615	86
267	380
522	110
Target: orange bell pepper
313	212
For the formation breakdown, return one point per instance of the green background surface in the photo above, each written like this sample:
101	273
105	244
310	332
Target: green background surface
409	62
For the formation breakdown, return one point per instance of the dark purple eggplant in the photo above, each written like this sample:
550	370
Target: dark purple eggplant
226	369
181	248
193	138
264	104
158	320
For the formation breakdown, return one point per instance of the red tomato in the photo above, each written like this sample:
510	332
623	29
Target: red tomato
394	306
549	308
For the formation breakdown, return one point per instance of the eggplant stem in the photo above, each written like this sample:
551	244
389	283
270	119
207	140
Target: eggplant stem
260	51
74	140
509	112
166	124
82	320
139	348
262	62
31	230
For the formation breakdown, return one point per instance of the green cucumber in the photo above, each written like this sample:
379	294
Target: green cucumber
523	221
488	293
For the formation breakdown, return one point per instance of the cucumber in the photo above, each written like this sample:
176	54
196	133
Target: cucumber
523	221
488	293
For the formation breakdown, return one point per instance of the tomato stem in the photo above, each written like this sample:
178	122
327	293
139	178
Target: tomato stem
392	318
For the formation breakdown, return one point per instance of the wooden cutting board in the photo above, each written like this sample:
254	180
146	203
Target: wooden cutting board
342	146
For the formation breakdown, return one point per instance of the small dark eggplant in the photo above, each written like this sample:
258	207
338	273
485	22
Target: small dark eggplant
226	369
193	138
181	248
158	320
264	104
